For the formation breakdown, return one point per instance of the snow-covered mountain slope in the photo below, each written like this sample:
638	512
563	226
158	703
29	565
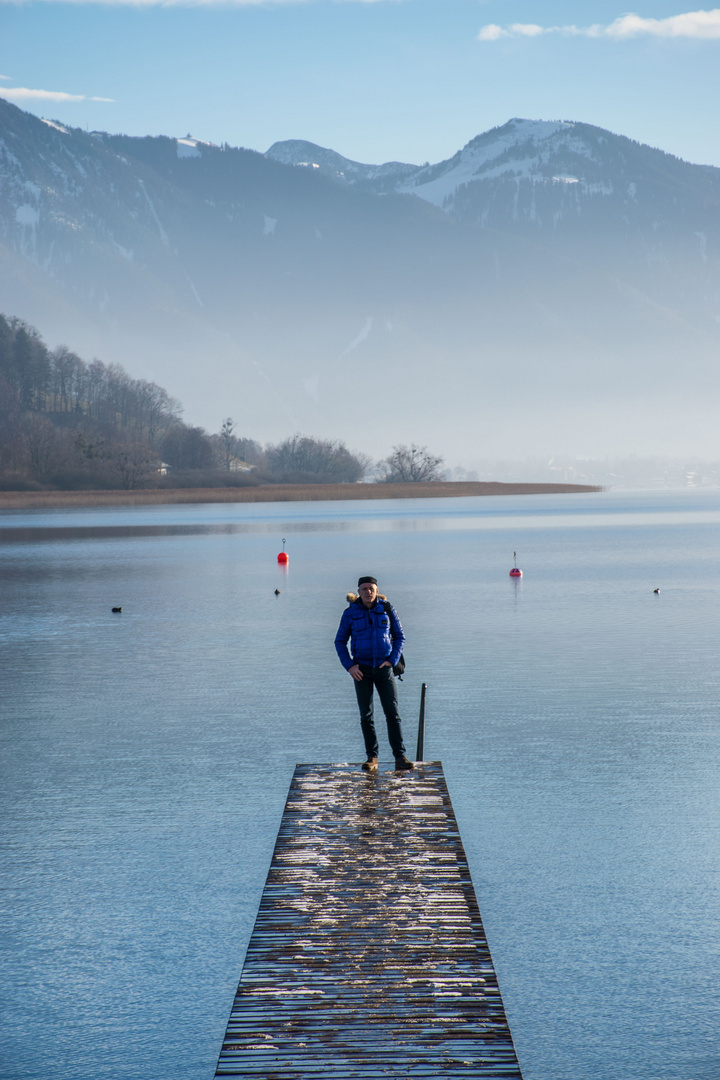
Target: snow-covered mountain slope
550	285
549	175
519	149
309	155
189	147
558	177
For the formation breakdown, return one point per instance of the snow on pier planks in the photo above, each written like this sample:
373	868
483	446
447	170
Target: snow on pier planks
368	958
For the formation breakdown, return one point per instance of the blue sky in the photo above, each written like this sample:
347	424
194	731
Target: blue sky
411	80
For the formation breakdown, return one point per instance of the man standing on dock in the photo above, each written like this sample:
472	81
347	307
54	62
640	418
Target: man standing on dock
372	627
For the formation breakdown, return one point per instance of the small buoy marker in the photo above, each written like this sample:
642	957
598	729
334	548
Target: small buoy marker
277	592
515	572
283	557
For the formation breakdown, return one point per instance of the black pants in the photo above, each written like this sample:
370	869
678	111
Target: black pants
382	680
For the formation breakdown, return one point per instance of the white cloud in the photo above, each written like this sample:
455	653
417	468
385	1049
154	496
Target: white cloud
22	93
691	24
492	32
527	29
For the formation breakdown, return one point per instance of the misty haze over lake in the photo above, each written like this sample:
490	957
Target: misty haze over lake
552	289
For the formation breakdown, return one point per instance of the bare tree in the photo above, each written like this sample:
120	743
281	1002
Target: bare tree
187	448
410	464
301	459
32	365
134	467
156	410
250	451
66	375
44	446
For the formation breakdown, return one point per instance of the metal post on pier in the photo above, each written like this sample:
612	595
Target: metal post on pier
420	754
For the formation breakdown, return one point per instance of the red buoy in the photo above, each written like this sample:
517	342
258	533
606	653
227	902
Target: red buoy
283	557
515	572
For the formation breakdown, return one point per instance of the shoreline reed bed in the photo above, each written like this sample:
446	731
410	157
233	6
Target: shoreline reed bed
40	500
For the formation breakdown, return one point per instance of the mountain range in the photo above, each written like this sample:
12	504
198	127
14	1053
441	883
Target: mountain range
552	287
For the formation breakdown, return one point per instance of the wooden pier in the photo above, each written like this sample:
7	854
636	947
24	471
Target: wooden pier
368	958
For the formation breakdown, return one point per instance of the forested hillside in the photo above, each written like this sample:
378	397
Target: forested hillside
69	424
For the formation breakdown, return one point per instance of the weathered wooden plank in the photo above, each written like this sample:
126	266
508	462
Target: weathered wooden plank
368	958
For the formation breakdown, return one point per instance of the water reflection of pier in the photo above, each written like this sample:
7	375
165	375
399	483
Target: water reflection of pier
368	957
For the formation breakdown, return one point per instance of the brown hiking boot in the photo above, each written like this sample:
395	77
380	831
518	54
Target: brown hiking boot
370	765
402	764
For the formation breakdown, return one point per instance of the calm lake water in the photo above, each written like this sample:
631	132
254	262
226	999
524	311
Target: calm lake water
147	757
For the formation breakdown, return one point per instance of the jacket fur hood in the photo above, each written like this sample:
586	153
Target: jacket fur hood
352	597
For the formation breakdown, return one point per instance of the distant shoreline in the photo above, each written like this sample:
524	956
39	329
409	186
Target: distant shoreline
272	493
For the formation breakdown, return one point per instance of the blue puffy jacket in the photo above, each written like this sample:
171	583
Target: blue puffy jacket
374	635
